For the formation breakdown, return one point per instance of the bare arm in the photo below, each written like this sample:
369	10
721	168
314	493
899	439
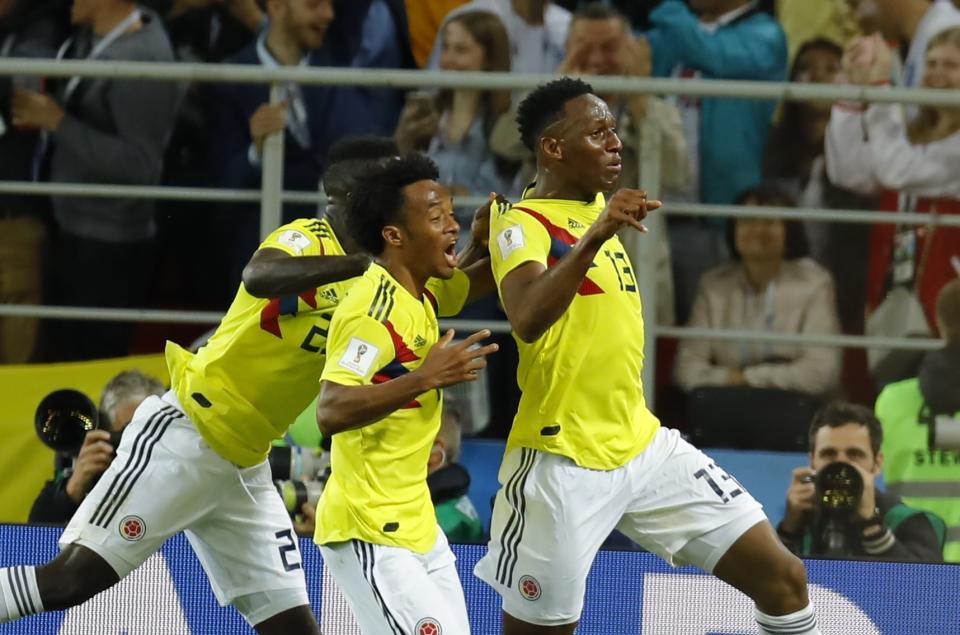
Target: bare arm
535	297
272	272
343	408
475	258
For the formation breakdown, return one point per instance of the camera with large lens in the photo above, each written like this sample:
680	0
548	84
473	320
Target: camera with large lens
62	420
299	474
839	488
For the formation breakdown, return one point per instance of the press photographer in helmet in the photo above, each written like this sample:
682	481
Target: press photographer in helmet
85	439
834	508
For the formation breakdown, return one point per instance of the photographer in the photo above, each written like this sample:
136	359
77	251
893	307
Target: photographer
76	474
878	525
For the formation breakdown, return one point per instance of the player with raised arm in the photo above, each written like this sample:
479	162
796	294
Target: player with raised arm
194	459
585	455
381	400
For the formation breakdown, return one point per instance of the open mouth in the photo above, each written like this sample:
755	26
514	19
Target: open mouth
450	253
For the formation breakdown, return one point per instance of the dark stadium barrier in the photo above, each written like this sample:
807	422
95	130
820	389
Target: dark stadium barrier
628	594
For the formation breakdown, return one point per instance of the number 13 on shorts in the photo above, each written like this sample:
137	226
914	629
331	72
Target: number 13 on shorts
723	485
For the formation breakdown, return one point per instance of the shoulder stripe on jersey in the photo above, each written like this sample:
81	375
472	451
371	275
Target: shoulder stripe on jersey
377	298
388	303
561	241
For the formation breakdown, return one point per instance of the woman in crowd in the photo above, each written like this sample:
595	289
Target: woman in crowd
455	126
795	161
772	287
914	164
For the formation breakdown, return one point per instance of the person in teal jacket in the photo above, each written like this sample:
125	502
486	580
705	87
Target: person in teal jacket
729	39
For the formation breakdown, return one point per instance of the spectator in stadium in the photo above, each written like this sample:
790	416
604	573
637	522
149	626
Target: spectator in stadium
425	18
103	131
60	497
27	29
882	527
795	161
449	481
715	39
905	21
537	30
806	20
913	164
770	286
925	476
600	43
454	128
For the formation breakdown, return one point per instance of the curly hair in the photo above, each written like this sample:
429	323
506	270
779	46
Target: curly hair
544	106
377	198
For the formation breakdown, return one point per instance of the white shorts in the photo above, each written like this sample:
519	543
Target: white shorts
394	591
166	479
551	516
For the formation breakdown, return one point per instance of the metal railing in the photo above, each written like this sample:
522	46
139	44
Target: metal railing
271	193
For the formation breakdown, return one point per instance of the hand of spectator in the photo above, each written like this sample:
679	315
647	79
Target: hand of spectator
735	377
800	499
447	364
625	208
95	456
307	524
575	61
35	110
636	55
268	119
867	60
415	128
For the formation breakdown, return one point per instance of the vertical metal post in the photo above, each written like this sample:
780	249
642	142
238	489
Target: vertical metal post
271	188
648	148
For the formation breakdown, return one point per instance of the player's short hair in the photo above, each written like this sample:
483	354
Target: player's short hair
544	106
377	199
948	310
795	243
840	413
349	155
127	386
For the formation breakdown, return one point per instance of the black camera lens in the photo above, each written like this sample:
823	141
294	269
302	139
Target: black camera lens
839	488
63	418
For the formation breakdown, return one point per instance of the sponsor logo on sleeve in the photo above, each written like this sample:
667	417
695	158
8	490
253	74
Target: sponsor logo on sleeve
359	356
510	240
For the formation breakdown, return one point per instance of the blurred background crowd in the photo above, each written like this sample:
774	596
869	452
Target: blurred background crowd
759	274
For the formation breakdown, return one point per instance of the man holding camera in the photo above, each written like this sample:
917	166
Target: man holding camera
77	474
878	525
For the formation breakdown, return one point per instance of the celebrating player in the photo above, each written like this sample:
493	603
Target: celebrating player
380	398
585	455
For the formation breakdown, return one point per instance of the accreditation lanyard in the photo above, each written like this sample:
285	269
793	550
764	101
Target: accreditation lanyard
97	50
297	112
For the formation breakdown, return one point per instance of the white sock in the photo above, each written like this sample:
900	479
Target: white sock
19	595
803	622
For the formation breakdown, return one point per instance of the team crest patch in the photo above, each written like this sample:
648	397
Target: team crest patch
295	240
529	588
359	356
428	626
132	528
510	240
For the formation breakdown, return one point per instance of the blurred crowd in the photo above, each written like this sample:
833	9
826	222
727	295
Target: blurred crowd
759	274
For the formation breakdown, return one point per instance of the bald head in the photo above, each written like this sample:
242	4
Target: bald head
948	311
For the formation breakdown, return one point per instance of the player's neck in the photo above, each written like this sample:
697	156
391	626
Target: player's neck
410	280
549	185
283	48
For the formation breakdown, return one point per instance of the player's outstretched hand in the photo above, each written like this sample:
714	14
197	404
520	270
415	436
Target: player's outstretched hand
447	364
626	208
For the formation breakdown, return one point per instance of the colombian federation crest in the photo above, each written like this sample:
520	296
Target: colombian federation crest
428	626
529	588
132	528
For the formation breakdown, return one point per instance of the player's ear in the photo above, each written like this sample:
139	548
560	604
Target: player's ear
392	235
551	148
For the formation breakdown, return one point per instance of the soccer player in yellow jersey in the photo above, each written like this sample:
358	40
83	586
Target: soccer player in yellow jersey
380	399
584	455
194	459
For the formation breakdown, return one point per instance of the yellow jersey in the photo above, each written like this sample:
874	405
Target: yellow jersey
377	491
261	367
582	395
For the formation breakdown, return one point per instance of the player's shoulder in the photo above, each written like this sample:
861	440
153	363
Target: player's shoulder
373	296
303	236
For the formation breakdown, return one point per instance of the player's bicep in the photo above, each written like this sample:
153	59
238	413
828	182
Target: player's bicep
515	285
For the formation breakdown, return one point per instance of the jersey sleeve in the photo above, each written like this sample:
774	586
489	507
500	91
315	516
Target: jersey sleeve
449	296
515	238
298	238
358	346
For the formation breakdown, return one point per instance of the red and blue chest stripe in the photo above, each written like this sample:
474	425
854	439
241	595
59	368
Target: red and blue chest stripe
561	241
